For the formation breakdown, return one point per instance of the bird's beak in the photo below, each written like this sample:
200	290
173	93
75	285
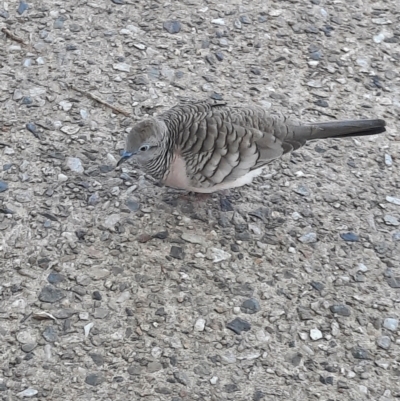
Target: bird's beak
125	156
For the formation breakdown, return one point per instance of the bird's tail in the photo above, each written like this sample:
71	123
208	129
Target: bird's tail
342	129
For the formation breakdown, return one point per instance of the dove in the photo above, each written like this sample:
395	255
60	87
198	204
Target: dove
202	147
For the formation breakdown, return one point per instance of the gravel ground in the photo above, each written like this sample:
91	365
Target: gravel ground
113	288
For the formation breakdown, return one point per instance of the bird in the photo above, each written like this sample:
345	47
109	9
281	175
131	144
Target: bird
202	147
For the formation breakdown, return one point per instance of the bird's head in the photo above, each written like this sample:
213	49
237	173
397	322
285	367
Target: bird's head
144	141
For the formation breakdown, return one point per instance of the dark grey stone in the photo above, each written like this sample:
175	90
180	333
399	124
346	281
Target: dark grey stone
50	334
3	186
341	310
258	395
94	379
55	278
172	26
98	359
350	237
22	7
182	378
394	282
51	294
317	286
360	353
250	306
238	325
177	252
96	296
231	388
244	19
321	103
133	206
302	190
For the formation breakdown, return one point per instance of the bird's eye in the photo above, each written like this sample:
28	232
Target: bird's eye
143	148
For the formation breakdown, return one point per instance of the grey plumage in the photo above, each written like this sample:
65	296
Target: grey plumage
203	147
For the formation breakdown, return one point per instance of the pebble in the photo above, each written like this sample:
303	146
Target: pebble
350	237
75	165
341	310
111	221
383	342
94	379
182	378
200	324
55	278
308	238
22	7
315	334
302	190
50	334
193	239
59	22
360	353
391	324
395	201
218	255
244	19
391	220
65	105
122	67
176	252
214	380
388	160
153	367
250	306
238	325
69	129
172	26
62	177
51	294
29	392
132	205
395	235
218	21
3	186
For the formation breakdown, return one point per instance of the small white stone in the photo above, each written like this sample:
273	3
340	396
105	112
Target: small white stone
9	151
275	13
84	316
27	62
62	177
87	328
236	310
315	334
29	392
156	352
139	46
122	67
363	389
124	297
395	201
391	220
65	105
84	114
200	324
111	221
70	129
214	380
40	60
75	165
362	268
217	255
391	324
388	160
218	21
378	38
